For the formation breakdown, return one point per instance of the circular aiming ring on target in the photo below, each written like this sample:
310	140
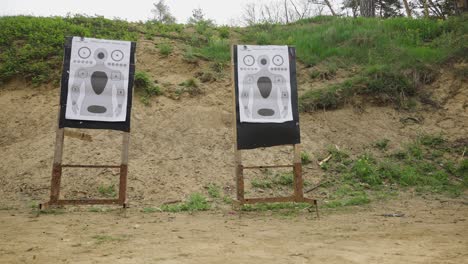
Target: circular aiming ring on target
278	60
84	52
249	60
117	55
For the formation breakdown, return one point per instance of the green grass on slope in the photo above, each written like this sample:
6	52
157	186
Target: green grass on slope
396	41
391	58
429	164
394	56
32	47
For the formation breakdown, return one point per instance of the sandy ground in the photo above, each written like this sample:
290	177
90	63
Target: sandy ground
431	231
178	147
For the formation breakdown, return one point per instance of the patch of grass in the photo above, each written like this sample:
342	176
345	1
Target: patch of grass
51	211
414	166
190	86
196	202
227	200
95	210
165	49
190	83
269	182
218	67
107	191
305	158
274	206
339	161
462	171
148	210
217	50
261	183
431	140
285	179
189	55
214	190
414	150
100	239
146	87
365	170
381	84
206	76
348	194
224	32
328	72
382	144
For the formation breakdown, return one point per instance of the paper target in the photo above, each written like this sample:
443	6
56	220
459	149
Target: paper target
263	78
98	80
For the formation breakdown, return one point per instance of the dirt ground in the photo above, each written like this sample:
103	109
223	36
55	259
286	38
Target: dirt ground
431	231
180	146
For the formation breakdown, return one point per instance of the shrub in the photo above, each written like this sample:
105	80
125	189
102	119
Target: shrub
213	191
382	144
365	170
146	86
191	86
189	55
165	49
305	158
107	191
224	32
217	50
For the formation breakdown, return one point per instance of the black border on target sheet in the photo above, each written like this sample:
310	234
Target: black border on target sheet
63	122
257	135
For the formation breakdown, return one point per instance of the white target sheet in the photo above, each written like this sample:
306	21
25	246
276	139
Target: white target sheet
264	84
98	80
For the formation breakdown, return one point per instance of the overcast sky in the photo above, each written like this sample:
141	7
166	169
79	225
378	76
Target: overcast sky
223	12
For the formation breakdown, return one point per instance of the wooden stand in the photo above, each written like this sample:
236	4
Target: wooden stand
298	195
57	175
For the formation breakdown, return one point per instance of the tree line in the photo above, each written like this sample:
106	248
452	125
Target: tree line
288	11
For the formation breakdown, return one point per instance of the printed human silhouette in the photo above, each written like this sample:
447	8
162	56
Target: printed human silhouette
99	81
265	87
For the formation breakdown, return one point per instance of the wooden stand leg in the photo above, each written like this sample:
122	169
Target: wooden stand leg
55	183
316	208
298	182
124	170
123	185
297	171
57	167
240	183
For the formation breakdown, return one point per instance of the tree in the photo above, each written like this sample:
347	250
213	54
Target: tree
353	5
199	17
407	8
250	14
438	8
283	11
388	8
162	14
327	2
367	8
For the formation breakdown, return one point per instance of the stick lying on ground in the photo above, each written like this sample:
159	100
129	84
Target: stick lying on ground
315	187
324	160
79	135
